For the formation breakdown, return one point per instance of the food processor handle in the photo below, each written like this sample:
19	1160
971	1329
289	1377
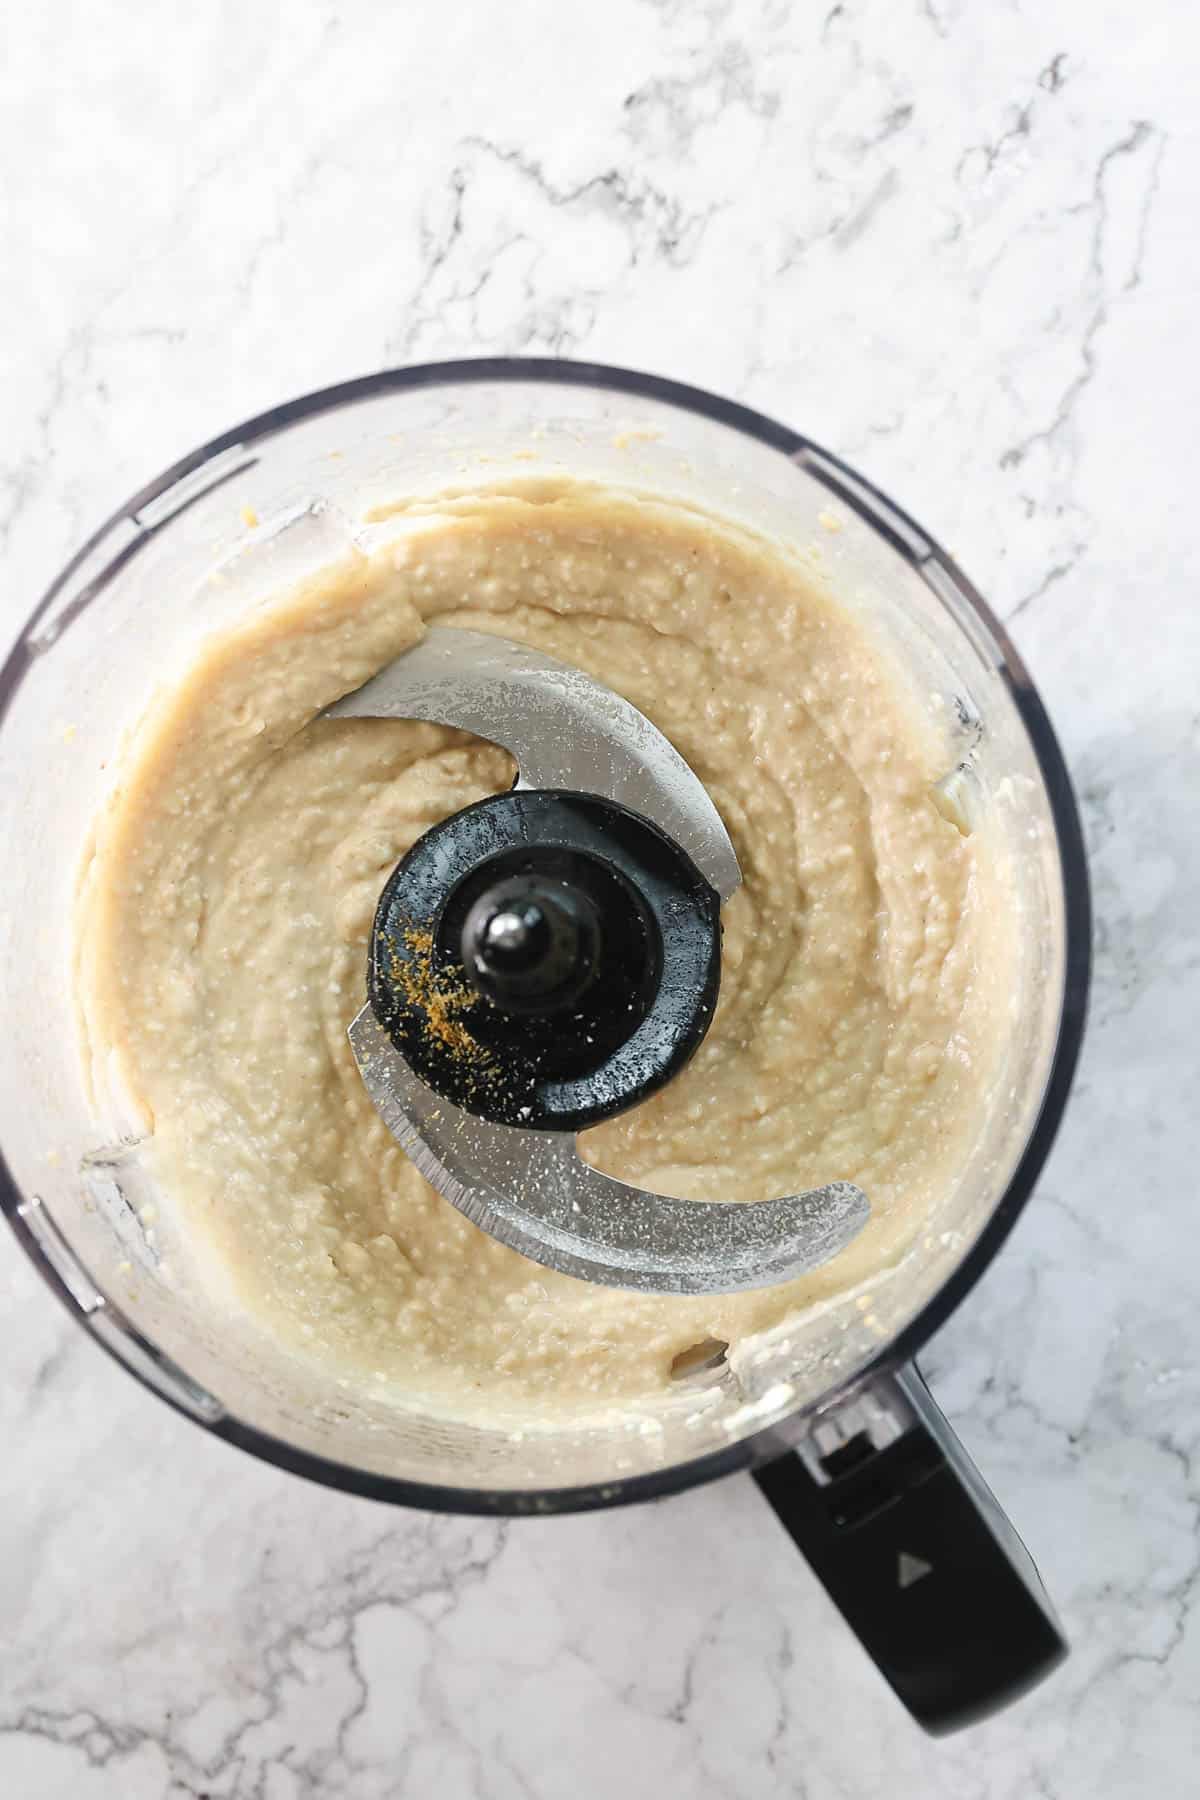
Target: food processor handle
912	1548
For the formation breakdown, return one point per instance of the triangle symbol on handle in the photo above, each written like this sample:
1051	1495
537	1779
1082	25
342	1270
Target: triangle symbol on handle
912	1568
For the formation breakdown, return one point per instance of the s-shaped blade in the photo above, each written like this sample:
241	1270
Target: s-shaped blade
531	1189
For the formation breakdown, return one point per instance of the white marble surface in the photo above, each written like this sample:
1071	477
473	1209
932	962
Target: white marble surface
955	242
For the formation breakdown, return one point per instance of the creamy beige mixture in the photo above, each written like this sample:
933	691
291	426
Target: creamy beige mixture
235	872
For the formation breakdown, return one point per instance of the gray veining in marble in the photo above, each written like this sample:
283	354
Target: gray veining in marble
955	242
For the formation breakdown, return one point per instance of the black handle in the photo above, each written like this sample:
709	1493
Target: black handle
914	1551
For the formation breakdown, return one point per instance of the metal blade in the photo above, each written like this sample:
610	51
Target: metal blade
533	1191
564	729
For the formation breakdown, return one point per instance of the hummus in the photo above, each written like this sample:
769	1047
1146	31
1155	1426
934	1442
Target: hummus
228	895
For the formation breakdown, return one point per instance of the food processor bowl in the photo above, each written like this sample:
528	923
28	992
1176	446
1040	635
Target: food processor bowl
290	493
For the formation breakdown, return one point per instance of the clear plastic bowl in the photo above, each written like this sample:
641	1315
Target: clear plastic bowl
284	493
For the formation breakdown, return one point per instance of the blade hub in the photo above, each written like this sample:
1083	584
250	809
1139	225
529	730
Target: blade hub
546	959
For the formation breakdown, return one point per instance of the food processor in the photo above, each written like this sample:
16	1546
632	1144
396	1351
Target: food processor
607	837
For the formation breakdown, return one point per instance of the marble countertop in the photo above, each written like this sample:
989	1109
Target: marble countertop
955	243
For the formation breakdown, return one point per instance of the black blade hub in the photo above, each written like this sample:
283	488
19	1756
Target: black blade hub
545	959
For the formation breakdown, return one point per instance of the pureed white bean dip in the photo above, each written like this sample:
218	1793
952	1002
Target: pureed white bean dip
230	887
